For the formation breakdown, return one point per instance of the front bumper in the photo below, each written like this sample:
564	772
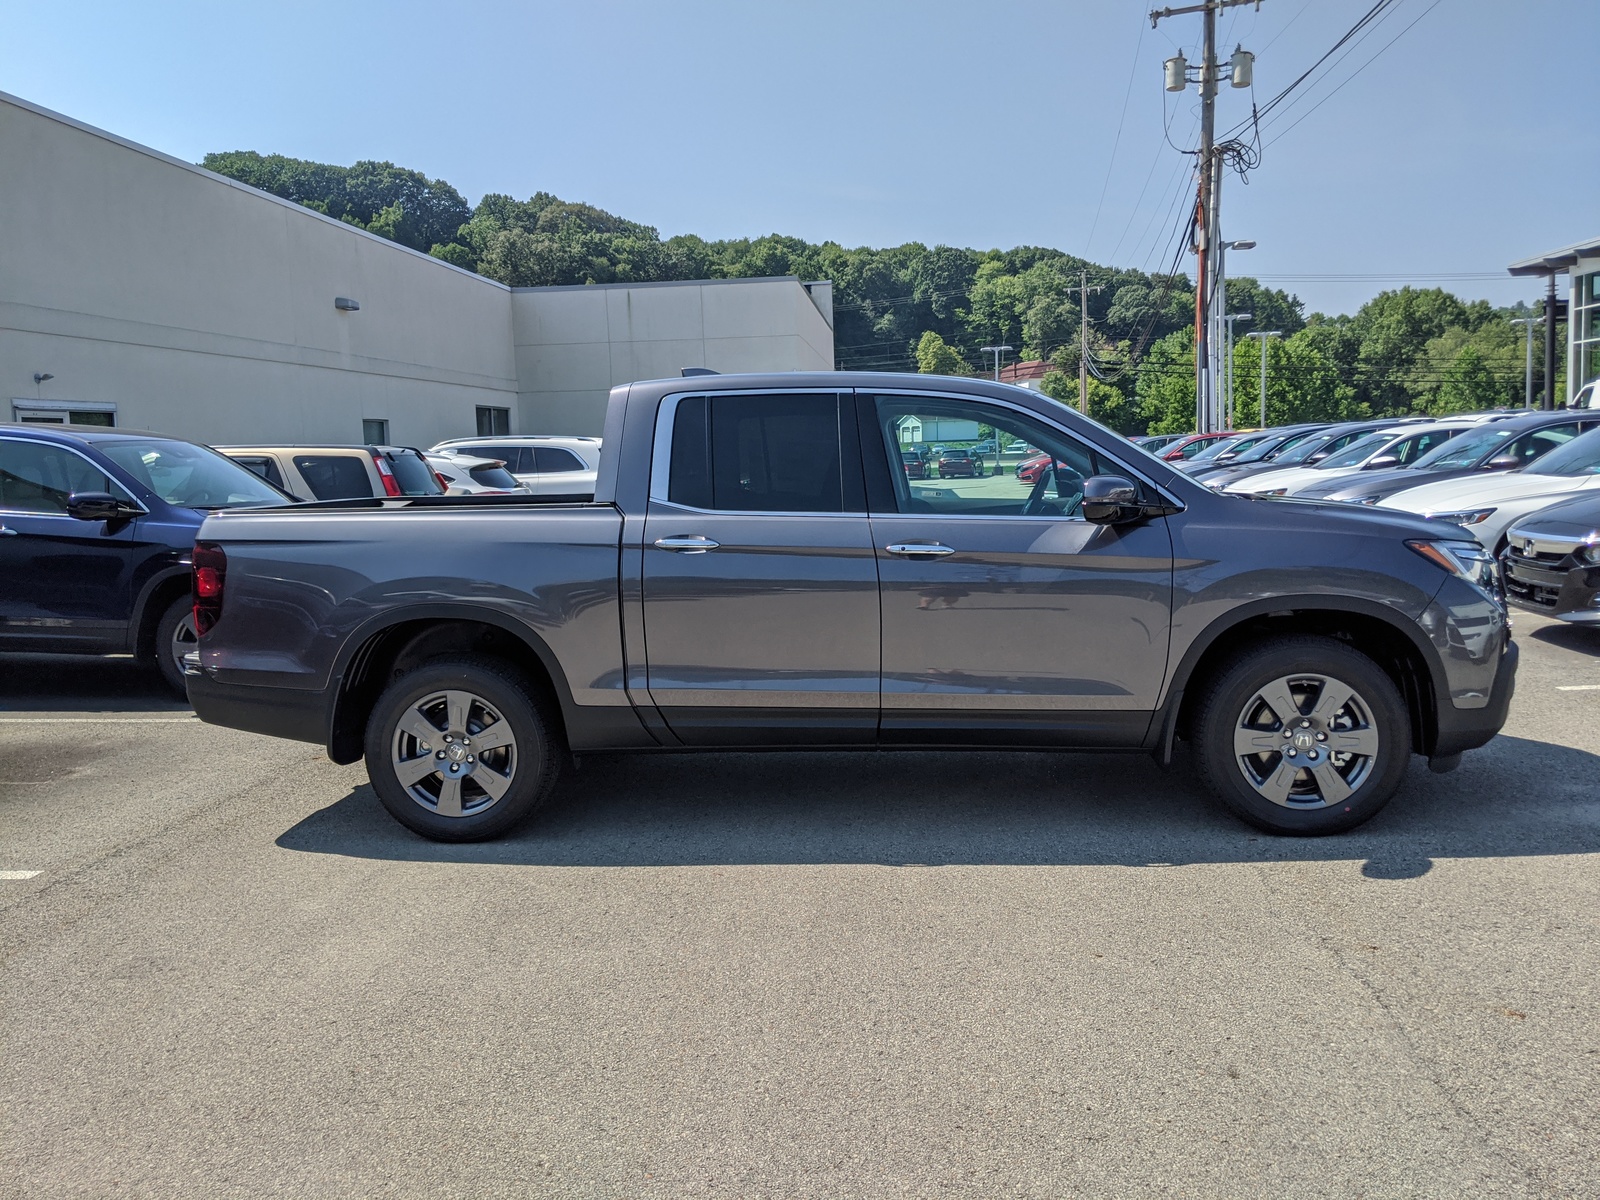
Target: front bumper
1571	593
1468	728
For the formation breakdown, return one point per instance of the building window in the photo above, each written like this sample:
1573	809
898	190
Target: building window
63	412
1584	330
375	432
493	422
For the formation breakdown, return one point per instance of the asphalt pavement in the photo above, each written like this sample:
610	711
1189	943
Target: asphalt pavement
228	973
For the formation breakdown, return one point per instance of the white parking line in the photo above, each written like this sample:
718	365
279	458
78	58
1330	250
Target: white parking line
98	720
1578	687
18	874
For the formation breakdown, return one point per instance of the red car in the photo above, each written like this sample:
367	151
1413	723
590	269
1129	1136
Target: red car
1188	447
913	465
1031	468
958	462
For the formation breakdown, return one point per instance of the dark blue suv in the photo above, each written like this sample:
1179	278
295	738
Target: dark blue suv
96	529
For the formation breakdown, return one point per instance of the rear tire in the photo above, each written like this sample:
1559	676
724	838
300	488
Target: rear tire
1303	736
461	749
175	637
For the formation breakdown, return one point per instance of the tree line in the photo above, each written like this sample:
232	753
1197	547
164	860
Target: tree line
931	309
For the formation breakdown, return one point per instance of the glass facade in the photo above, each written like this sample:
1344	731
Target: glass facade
1585	330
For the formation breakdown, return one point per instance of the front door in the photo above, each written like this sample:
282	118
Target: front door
1007	617
760	582
64	583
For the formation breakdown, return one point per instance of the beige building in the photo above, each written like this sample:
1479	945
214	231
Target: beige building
142	291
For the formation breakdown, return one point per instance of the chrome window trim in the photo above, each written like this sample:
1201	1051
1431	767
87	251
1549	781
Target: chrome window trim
144	511
661	451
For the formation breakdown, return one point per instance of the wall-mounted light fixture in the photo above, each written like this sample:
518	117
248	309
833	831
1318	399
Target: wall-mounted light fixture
40	378
345	304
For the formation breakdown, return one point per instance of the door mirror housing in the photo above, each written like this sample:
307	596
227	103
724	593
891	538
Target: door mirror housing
100	506
1383	462
1503	462
1111	500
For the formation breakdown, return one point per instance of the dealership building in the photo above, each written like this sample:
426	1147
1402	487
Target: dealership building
138	290
1580	263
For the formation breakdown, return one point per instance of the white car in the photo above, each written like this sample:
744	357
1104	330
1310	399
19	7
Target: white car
1384	450
545	465
471	475
1486	506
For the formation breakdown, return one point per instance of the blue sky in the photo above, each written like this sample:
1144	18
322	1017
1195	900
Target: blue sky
1467	143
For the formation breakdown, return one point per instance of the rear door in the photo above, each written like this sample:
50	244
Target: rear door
63	582
1008	618
759	579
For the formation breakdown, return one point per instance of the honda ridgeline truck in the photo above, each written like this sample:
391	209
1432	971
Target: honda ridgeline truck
757	568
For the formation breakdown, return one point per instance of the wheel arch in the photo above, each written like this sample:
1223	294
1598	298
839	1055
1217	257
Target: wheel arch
157	593
1385	637
387	647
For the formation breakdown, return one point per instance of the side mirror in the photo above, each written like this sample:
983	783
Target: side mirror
100	506
1382	463
1503	462
1110	500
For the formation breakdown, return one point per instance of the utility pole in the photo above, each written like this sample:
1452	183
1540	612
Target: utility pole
1527	376
1264	334
1208	202
1083	289
1550	344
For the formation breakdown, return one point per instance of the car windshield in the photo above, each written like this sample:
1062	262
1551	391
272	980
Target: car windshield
1467	450
1220	446
1580	456
1356	453
191	476
1305	449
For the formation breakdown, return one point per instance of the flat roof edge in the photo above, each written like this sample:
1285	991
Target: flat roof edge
661	283
194	168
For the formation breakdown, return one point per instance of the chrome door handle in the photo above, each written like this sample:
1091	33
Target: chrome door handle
919	549
688	544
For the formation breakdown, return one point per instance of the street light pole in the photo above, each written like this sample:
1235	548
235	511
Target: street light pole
1264	334
1527	379
1227	373
997	351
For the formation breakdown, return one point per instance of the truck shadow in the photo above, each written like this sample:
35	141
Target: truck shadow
1517	797
71	683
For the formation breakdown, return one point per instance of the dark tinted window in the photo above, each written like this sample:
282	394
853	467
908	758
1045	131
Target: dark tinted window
39	478
493	422
553	460
516	458
757	454
334	477
264	467
494	477
415	477
1542	441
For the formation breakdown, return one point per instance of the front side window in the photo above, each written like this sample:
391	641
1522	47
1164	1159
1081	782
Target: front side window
1541	442
38	478
757	454
1580	456
1049	483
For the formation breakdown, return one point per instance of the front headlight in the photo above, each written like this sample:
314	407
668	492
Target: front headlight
1283	491
1373	499
1465	560
1589	553
1473	516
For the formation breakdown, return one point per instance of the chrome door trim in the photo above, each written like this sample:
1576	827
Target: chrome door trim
919	549
689	543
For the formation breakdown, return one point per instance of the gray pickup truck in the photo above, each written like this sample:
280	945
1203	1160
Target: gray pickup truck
758	568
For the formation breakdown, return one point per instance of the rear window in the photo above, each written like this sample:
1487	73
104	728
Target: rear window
494	477
553	460
767	453
413	475
334	476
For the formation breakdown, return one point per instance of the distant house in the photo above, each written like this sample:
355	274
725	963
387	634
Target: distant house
1028	374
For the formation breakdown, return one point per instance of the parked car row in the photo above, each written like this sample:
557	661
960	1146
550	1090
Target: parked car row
97	525
1526	485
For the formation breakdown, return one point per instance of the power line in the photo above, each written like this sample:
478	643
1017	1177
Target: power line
1117	141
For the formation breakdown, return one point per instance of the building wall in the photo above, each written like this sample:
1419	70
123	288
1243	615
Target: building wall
198	306
574	344
203	307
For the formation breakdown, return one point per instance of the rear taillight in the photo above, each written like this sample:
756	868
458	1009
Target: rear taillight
210	575
390	486
443	482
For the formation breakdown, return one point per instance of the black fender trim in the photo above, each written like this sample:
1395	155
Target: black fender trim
141	605
1165	723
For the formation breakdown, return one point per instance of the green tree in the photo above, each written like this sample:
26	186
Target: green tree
1165	384
1107	404
937	357
1469	385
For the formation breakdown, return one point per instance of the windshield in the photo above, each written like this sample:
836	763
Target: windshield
1356	453
1221	446
1580	456
1305	449
191	476
1467	450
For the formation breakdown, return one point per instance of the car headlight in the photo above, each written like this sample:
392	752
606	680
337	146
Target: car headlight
1373	499
1465	560
1283	491
1590	553
1472	516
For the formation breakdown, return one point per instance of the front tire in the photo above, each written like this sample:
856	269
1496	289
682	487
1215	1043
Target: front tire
1303	736
461	749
